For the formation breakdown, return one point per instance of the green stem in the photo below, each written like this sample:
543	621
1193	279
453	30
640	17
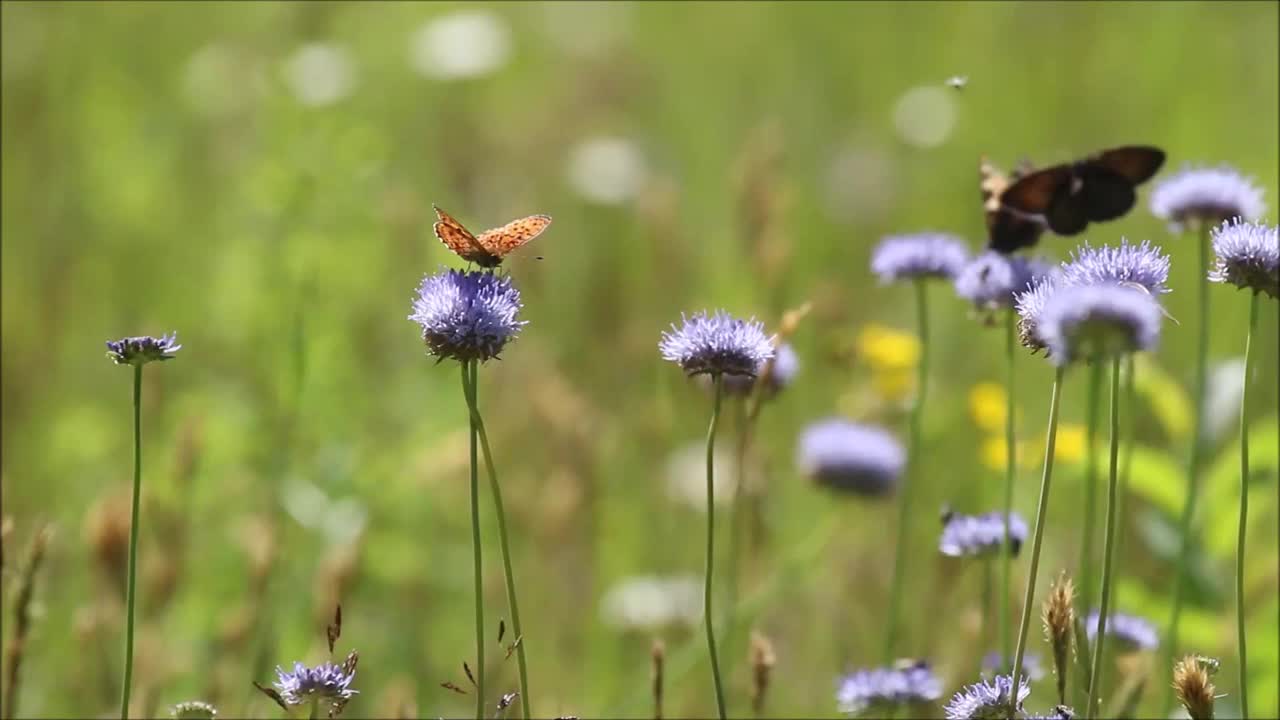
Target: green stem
1193	465
985	626
1010	472
475	545
735	537
131	592
1093	403
913	459
711	535
1108	543
474	404
1244	511
1041	508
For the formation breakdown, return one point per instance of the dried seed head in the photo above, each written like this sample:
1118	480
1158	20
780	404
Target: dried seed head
106	531
762	660
1058	617
1194	688
334	630
658	655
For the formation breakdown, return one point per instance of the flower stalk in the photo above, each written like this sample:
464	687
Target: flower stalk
1095	674
718	379
1243	531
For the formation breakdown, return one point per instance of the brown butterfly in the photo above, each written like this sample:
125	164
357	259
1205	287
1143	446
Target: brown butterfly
489	247
1007	229
1098	188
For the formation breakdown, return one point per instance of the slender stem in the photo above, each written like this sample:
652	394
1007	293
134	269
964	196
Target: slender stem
1108	543
474	404
985	631
913	459
131	593
1193	465
736	519
1244	511
475	545
1093	403
1010	472
711	535
1041	508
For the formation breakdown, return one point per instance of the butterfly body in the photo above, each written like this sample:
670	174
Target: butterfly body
489	247
1069	196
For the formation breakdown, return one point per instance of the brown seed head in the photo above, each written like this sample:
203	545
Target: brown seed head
762	662
1194	689
1058	618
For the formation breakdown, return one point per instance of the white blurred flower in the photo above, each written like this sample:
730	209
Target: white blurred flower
606	170
924	116
320	74
340	521
649	602
1222	398
687	476
220	81
859	184
462	44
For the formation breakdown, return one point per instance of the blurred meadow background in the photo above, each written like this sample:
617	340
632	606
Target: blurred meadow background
259	178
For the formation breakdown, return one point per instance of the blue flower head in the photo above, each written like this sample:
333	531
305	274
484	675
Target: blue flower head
326	682
1142	265
1134	633
918	256
1029	305
142	350
1206	194
717	344
1247	256
992	280
848	457
980	535
467	315
994	700
781	372
884	689
1098	321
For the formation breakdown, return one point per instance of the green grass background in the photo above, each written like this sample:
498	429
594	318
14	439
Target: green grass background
283	243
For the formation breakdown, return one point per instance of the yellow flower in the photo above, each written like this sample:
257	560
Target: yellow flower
888	349
993	452
987	404
1071	443
894	384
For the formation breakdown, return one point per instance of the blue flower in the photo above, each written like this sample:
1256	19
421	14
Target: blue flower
325	682
883	689
976	535
467	315
783	370
142	350
993	662
1098	321
1142	265
1030	304
1206	194
846	456
991	280
992	700
1248	256
717	344
1133	632
922	255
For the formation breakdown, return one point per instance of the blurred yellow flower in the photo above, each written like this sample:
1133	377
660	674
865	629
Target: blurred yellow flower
992	453
894	384
987	401
1071	443
888	349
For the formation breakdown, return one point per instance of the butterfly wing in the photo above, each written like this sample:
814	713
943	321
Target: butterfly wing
1034	193
459	239
1134	163
1067	213
498	242
1007	230
1105	195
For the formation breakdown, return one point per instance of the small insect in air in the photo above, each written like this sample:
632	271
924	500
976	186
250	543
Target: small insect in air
489	247
958	82
1208	664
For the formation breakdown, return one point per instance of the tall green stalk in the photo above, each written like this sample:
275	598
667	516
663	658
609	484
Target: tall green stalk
1244	511
711	536
913	469
131	593
1193	465
1108	543
1010	472
474	404
1050	447
1093	403
475	544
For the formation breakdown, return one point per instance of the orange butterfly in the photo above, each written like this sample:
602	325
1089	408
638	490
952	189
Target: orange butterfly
489	247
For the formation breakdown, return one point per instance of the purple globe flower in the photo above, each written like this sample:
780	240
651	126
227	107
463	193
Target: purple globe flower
979	535
467	315
884	689
1098	321
1206	194
849	457
918	256
325	682
143	349
783	370
1134	633
992	280
994	700
1248	256
993	662
1029	305
717	344
1143	265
